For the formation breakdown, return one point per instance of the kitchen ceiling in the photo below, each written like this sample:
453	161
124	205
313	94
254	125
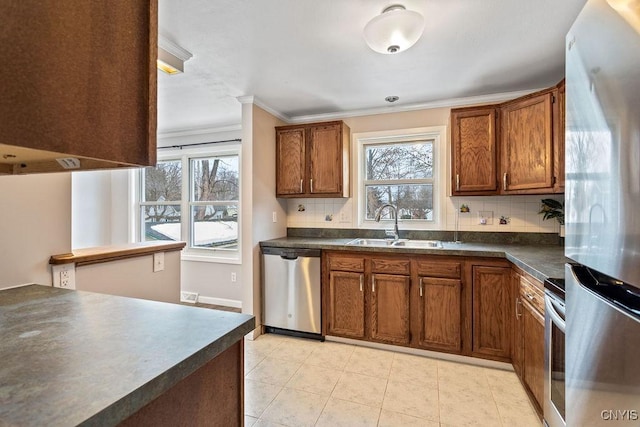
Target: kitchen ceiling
308	57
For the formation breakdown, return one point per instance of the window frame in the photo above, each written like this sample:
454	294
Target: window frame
191	253
437	134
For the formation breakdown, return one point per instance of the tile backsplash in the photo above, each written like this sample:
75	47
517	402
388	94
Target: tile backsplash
520	212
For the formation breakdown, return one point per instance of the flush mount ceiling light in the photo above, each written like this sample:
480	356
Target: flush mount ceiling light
395	30
171	57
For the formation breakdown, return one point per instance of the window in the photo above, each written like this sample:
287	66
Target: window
194	198
399	168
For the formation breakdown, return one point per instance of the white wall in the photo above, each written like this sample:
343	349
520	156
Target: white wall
35	223
258	192
522	211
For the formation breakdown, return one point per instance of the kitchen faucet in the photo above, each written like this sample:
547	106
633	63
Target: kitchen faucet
396	234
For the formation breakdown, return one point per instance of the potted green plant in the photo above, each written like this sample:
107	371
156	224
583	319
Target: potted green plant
550	209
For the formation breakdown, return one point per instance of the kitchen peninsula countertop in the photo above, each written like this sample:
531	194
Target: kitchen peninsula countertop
541	261
72	357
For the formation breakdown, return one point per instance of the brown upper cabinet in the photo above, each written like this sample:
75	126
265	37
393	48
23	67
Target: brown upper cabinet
312	160
81	85
512	148
473	147
527	144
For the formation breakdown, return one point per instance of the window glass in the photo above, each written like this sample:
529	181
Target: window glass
402	174
209	199
214	202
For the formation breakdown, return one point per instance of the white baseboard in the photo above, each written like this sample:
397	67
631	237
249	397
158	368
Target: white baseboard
220	301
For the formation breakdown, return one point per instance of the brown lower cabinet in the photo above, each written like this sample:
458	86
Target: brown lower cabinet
419	301
528	354
491	312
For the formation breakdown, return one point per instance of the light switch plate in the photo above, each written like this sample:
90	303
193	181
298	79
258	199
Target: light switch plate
158	261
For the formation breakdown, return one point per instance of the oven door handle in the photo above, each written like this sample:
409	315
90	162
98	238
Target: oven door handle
555	317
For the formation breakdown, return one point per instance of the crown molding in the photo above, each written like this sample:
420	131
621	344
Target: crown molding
250	99
200	131
174	49
444	103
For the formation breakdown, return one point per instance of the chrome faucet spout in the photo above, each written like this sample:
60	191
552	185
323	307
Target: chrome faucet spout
396	234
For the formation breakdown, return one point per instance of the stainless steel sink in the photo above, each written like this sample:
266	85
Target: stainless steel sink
401	243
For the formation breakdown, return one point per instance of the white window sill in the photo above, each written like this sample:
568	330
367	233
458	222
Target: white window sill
214	258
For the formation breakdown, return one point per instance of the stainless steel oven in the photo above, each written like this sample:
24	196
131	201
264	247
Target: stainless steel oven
554	359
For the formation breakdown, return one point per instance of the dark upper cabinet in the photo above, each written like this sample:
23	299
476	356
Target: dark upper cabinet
79	84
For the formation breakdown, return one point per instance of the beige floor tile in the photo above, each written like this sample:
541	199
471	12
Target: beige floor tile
458	378
414	369
518	416
257	396
251	360
264	344
273	371
295	349
370	361
341	413
396	419
479	412
295	408
360	388
314	379
506	388
249	421
265	423
412	399
331	355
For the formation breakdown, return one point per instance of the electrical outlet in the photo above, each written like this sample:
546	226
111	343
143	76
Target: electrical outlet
485	217
158	261
274	216
65	279
64	276
234	278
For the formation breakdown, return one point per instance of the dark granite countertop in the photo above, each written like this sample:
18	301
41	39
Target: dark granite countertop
541	261
72	357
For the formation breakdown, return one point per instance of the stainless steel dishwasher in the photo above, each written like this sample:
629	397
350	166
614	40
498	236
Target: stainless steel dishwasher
291	292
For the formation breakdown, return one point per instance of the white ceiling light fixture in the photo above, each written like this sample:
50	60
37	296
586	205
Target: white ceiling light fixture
395	30
171	57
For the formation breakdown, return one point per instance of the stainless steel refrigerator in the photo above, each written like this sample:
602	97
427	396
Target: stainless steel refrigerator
603	215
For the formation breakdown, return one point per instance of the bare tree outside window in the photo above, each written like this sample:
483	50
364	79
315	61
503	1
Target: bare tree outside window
401	174
214	202
162	194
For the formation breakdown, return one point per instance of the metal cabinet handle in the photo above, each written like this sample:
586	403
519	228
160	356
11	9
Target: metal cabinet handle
457	182
421	287
361	281
518	303
311	183
301	190
530	297
373	283
504	181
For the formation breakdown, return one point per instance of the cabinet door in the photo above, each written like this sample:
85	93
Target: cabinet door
558	127
390	308
346	304
492	312
527	144
290	163
533	338
325	159
439	308
473	153
518	323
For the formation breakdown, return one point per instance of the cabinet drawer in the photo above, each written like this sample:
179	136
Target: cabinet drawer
450	270
397	266
346	264
532	293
